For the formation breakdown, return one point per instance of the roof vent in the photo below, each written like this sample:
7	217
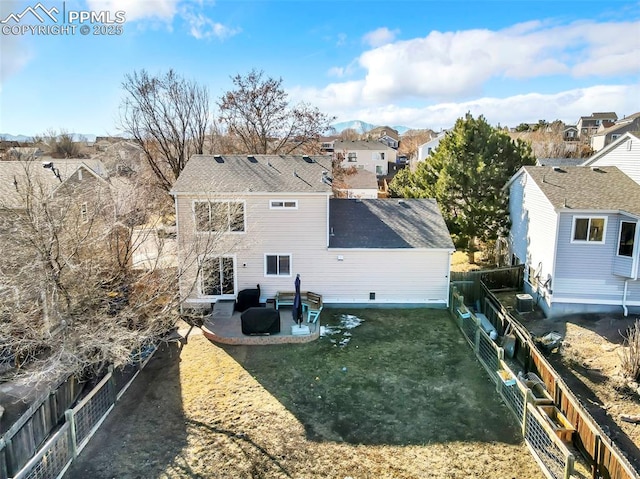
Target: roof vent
47	164
218	158
252	159
596	168
308	159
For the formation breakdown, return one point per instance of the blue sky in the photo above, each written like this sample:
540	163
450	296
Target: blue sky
419	64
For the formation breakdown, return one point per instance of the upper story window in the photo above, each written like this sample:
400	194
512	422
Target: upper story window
84	212
627	238
283	204
352	156
589	229
220	216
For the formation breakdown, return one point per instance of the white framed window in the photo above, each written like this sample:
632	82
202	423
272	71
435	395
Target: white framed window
84	212
217	276
352	156
283	204
277	264
219	215
589	229
626	238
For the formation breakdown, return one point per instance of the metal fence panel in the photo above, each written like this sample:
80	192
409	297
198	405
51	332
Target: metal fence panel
92	409
53	459
547	451
488	354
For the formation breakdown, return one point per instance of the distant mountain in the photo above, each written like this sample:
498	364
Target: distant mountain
363	127
23	138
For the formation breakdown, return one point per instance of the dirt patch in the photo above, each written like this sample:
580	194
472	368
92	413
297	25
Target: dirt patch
588	359
403	397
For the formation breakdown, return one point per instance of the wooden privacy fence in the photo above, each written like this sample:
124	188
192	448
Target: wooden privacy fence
604	457
26	435
81	422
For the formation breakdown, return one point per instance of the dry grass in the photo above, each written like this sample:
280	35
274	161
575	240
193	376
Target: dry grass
630	355
405	398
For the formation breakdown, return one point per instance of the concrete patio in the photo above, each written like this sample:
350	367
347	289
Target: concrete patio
224	326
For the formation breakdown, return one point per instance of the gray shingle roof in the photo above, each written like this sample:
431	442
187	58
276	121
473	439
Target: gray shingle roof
560	161
361	179
254	173
14	175
387	223
361	145
584	188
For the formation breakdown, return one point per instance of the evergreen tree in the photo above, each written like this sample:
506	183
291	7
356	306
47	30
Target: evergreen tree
466	174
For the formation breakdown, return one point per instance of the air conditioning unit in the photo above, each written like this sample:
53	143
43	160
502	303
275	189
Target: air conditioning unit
524	303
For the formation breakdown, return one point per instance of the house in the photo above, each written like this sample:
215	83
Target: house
327	143
576	231
372	156
570	133
279	220
605	135
430	146
588	125
624	153
386	135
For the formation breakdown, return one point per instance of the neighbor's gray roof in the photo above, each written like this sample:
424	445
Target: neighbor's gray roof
560	161
361	179
387	223
361	145
584	188
14	175
254	174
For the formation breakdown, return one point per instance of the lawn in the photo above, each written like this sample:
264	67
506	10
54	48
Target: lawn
398	395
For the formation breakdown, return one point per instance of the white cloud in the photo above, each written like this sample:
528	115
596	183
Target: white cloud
202	27
451	65
379	37
566	106
163	10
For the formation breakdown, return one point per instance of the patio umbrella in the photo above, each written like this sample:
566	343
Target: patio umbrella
297	303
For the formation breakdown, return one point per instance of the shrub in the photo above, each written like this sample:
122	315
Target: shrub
630	355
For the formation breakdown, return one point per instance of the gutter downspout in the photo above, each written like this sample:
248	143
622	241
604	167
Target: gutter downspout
624	299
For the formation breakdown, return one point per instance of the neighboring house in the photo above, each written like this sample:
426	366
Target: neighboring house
570	133
426	149
588	125
372	156
358	184
576	230
624	153
23	153
364	252
386	135
121	158
327	143
605	135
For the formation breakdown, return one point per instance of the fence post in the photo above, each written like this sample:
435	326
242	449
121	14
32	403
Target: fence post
69	417
596	456
568	468
112	385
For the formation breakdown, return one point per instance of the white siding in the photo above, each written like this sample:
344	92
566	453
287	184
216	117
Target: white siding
625	155
533	226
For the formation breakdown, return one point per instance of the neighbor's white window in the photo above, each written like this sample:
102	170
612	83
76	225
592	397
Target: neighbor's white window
222	216
352	156
283	204
277	265
589	229
627	238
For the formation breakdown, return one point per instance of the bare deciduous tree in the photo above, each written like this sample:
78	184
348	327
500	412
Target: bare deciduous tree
75	294
168	116
259	114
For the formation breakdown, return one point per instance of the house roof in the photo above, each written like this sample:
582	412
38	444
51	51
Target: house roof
603	115
559	161
626	124
584	188
361	145
361	179
387	223
13	176
254	174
